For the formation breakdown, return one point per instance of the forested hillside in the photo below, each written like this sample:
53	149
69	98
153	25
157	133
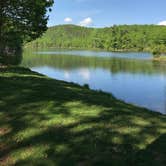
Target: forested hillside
117	38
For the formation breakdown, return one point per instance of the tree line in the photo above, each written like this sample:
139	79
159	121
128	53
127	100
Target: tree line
151	38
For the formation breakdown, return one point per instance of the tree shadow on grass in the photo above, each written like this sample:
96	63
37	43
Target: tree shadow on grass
154	154
50	122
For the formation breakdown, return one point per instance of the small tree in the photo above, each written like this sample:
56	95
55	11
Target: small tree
158	50
21	21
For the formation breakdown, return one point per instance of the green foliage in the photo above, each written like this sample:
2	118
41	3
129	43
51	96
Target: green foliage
21	21
116	38
158	50
49	122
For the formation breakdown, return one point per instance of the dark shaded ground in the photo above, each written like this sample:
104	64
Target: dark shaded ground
49	122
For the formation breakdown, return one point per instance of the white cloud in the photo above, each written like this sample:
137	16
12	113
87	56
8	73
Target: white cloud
162	23
86	22
68	20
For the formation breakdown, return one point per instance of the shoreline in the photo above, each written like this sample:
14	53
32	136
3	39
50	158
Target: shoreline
161	58
89	49
4	69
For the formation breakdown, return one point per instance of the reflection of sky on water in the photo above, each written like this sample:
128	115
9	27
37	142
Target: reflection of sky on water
83	74
128	55
141	89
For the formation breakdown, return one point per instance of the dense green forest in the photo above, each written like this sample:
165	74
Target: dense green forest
117	38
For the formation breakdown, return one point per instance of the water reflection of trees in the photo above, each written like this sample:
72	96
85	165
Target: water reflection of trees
115	65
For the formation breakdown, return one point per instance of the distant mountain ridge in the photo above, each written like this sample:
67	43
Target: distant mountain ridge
116	38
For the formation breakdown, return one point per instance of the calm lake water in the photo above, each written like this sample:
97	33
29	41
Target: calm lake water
131	77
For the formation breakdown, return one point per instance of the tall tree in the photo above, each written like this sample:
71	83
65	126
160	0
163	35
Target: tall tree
21	21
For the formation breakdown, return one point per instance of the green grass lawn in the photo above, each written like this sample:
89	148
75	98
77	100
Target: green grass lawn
49	122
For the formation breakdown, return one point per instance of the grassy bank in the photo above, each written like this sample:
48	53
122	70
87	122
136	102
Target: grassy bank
50	122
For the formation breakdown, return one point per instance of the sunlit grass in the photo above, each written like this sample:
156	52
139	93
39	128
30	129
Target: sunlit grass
49	122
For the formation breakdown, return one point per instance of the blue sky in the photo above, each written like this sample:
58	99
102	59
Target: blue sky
102	13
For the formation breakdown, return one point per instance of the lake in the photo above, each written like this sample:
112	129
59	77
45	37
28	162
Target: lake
132	77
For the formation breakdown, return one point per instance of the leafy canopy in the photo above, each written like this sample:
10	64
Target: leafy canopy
21	21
